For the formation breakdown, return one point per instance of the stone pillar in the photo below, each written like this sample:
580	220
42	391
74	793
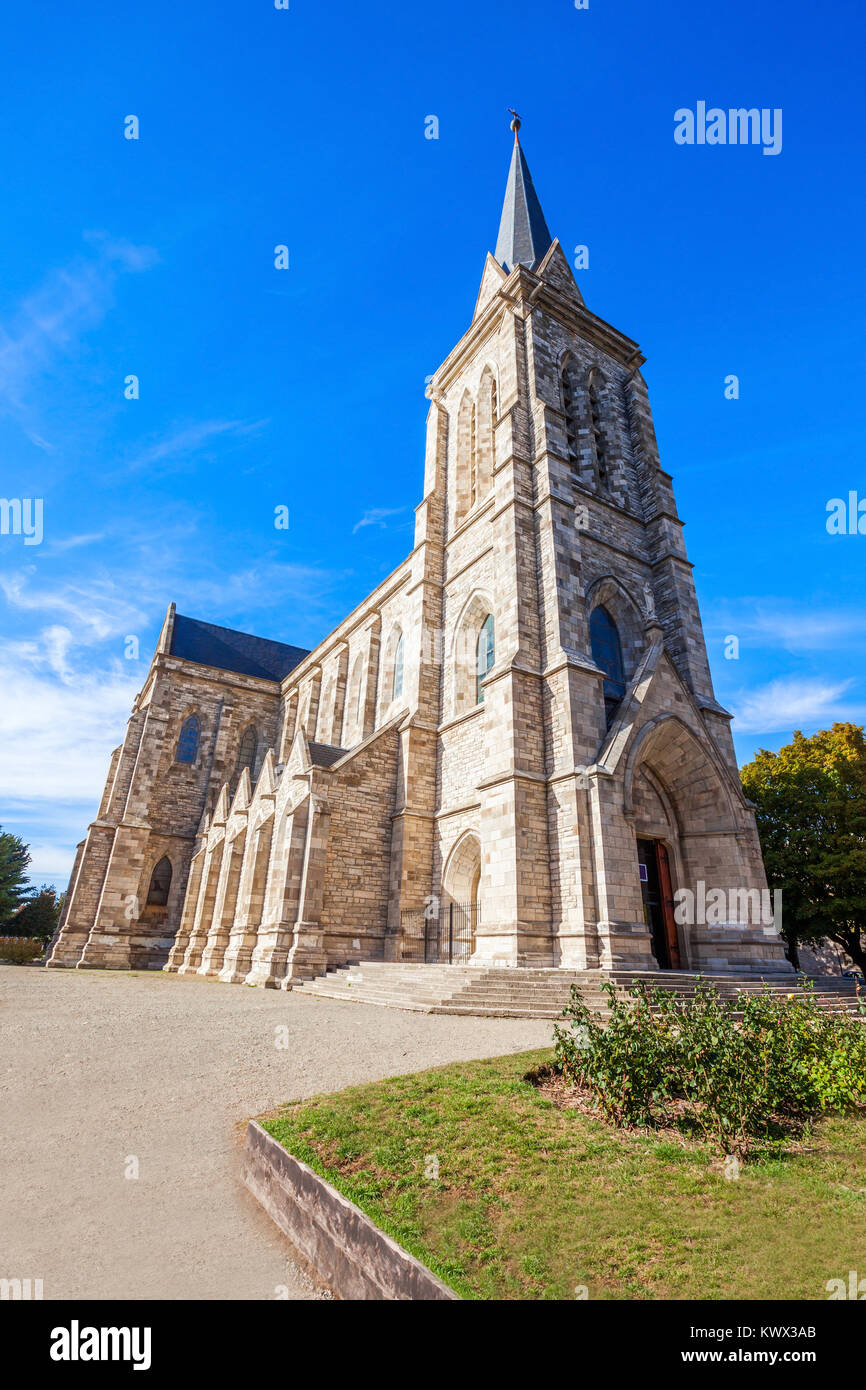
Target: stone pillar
276	934
113	942
243	936
412	830
625	940
85	891
190	905
515	882
204	909
572	877
214	952
307	956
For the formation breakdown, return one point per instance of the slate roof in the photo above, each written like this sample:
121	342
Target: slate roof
523	235
325	754
228	650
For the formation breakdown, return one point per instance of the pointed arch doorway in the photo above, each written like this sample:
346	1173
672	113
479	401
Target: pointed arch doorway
658	901
460	907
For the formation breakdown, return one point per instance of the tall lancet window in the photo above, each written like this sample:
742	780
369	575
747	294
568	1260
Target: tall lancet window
607	653
494	403
188	740
473	457
397	686
247	752
598	434
569	410
484	657
357	691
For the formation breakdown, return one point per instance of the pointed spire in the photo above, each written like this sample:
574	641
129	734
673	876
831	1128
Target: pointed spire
523	235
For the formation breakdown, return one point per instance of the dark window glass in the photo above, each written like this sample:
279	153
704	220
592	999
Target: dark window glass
607	653
485	655
187	743
247	751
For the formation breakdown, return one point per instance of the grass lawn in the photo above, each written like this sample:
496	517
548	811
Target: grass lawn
533	1200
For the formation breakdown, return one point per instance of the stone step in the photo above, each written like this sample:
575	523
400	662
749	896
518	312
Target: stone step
480	1011
593	991
381	991
542	992
498	980
407	1004
483	998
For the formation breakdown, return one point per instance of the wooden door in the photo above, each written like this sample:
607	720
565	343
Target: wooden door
667	902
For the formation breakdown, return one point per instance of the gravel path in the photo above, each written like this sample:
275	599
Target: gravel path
101	1068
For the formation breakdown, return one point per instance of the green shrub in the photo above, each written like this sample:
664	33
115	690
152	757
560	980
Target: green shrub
661	1058
816	1060
21	948
625	1064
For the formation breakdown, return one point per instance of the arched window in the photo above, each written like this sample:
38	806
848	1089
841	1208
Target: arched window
397	683
473	457
247	752
494	403
570	412
357	689
607	653
485	656
597	433
160	883
188	740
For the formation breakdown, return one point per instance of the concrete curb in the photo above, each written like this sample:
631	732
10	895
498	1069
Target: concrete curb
349	1252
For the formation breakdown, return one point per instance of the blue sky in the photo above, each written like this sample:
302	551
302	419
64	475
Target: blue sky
305	387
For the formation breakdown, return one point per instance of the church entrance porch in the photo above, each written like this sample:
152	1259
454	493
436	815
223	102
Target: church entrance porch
658	902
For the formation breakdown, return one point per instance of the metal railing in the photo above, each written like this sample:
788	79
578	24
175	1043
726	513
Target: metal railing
446	937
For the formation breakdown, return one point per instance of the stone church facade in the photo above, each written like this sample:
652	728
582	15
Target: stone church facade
519	720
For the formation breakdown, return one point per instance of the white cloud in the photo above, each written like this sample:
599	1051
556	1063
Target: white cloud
119	251
794	627
377	516
58	733
182	444
75	542
258	587
66	692
50	836
50	322
94	609
62	711
790	703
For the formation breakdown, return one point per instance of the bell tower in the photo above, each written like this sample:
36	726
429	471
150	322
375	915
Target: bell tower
590	748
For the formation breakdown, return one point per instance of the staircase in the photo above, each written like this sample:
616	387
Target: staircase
493	992
421	989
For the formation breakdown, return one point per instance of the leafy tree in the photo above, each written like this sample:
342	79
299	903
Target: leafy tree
810	801
39	916
14	889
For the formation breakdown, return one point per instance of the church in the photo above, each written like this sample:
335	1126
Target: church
510	754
